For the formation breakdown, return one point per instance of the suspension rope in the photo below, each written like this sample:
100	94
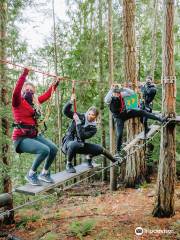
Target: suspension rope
48	74
74	93
7	212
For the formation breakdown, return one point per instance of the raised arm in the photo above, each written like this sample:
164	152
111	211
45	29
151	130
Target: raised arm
16	97
127	92
108	96
67	110
46	95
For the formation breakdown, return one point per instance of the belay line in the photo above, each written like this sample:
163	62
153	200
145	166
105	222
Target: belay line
7	212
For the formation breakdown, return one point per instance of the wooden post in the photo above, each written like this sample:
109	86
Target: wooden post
113	177
164	204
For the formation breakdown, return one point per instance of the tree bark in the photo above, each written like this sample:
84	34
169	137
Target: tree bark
113	177
154	39
4	103
135	164
101	92
164	204
58	95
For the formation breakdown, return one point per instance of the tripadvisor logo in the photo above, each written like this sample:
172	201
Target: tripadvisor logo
139	231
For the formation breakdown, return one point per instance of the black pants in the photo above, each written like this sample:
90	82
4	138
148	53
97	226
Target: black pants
144	120
74	147
122	117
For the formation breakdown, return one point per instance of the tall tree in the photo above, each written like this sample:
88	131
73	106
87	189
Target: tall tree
113	177
154	39
135	164
4	103
101	93
58	94
164	206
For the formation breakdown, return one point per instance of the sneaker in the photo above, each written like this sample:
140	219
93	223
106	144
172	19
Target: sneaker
33	179
46	177
89	163
70	168
120	157
164	120
117	156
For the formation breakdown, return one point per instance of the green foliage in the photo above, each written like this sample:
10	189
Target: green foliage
80	229
51	236
24	221
78	40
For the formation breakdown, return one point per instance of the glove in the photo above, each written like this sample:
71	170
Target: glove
76	118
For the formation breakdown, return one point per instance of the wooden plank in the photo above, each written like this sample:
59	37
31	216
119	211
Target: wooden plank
140	136
177	119
152	131
59	178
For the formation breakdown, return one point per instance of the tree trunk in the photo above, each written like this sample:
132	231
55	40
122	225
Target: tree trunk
101	93
164	205
113	177
135	164
4	103
154	39
58	95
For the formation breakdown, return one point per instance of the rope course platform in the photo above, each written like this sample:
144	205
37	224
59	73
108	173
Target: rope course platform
59	179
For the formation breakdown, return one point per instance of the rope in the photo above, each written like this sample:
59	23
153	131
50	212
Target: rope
47	110
82	180
48	74
74	101
33	69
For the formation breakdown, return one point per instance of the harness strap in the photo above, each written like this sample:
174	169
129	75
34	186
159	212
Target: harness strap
24	126
122	104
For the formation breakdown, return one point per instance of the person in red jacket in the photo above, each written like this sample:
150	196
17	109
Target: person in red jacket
26	139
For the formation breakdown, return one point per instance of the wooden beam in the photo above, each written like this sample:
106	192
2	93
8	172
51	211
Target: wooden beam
59	179
5	199
141	136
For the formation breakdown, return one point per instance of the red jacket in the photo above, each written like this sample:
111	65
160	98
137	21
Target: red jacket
22	111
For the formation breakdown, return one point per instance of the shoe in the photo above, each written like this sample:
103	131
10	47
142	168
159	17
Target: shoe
46	177
33	179
120	157
164	120
89	161
70	168
117	156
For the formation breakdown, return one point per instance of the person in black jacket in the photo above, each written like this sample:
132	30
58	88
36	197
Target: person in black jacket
115	100
81	128
149	92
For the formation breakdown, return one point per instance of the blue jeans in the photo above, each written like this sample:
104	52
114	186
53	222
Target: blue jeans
44	148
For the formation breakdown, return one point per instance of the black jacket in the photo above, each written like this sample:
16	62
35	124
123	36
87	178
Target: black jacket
76	132
115	106
149	92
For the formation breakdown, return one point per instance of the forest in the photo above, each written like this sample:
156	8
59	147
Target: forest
100	171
